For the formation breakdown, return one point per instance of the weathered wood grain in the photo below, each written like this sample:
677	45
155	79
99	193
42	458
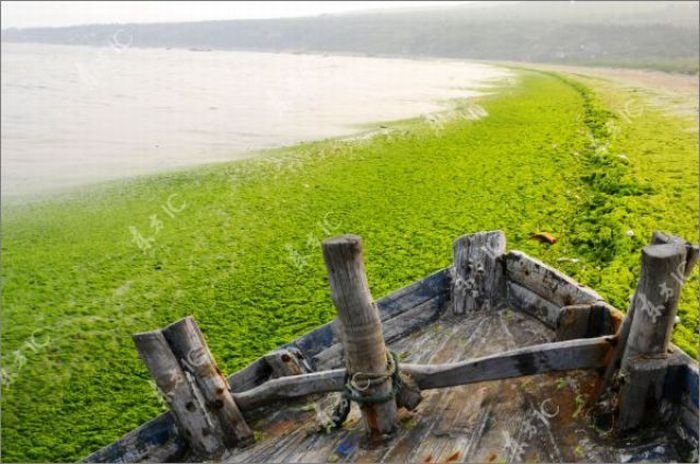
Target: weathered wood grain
538	359
688	405
182	395
657	238
586	321
390	306
433	286
250	376
641	392
361	329
546	281
479	280
188	345
654	310
285	388
156	441
463	423
690	384
614	318
573	322
587	353
284	362
655	301
154	437
394	329
527	301
682	381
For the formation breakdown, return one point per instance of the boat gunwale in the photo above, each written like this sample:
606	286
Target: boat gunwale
159	436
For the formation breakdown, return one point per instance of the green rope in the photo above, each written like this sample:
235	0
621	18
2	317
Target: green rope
353	393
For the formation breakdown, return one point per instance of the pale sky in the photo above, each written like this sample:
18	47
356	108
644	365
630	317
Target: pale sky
66	13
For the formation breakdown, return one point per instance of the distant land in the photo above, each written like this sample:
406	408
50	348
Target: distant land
656	35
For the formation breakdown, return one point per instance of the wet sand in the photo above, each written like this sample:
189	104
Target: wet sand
678	93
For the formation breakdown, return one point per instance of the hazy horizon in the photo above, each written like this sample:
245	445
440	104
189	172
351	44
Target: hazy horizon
40	14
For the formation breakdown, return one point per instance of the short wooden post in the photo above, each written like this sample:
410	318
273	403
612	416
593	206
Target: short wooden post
188	344
182	396
653	312
361	329
479	281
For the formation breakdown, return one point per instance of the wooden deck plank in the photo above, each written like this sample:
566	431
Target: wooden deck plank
480	422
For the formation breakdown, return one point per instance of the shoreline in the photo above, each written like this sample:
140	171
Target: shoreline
604	68
116	131
648	80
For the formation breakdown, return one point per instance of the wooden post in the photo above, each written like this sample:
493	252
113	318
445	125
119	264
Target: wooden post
361	328
653	312
692	252
182	396
188	344
691	258
479	281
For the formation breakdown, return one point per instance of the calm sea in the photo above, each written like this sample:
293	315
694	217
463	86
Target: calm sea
73	115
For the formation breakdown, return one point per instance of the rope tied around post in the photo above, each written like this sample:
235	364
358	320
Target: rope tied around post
354	391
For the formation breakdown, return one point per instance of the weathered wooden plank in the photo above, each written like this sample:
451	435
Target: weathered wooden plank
546	281
318	339
682	380
681	389
180	393
479	280
586	353
362	337
614	319
586	321
156	440
286	361
394	329
291	387
522	299
616	357
406	298
188	345
537	359
691	385
250	376
574	322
